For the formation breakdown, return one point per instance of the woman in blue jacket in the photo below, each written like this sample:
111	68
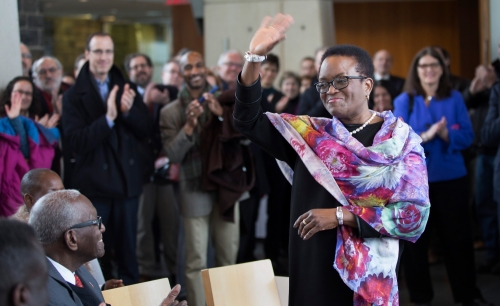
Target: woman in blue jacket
438	114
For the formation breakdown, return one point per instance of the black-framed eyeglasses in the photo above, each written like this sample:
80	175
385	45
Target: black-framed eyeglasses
337	83
97	222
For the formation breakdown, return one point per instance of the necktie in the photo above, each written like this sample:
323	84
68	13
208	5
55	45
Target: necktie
78	282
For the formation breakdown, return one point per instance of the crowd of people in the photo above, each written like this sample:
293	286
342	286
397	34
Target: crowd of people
149	157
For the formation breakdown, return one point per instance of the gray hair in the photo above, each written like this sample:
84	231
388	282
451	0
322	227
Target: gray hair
53	214
222	57
39	61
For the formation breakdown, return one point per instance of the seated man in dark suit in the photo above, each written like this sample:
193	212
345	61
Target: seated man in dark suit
382	62
67	225
23	280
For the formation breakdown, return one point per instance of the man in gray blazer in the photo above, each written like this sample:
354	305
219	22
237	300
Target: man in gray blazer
67	225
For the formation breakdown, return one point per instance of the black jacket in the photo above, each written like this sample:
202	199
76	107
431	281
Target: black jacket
490	134
107	159
310	103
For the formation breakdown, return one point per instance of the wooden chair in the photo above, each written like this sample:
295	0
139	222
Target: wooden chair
247	284
143	294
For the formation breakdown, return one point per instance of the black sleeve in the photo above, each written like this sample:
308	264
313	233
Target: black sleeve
254	124
365	230
490	134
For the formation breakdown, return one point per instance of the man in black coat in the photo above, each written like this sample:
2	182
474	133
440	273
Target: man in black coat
310	103
104	119
382	62
158	199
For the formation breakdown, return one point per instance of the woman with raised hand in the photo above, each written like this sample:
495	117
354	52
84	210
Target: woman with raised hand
24	143
359	181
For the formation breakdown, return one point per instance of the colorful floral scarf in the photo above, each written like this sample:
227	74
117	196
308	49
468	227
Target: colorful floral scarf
385	185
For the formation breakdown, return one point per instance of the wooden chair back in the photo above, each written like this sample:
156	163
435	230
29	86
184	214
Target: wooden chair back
143	294
247	284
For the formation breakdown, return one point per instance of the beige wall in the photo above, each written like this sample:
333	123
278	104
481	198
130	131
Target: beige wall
10	53
231	25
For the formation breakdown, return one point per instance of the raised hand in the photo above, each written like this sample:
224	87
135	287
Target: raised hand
272	30
111	112
193	111
213	104
159	97
127	99
15	105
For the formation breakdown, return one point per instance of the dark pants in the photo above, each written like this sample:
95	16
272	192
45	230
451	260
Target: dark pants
249	210
120	218
450	215
486	207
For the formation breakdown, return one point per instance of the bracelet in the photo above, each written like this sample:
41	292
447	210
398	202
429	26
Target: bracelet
254	58
340	215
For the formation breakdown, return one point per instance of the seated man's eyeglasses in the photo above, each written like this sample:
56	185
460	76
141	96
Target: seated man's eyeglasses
88	223
337	83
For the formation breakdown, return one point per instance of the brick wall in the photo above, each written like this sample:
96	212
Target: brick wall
31	25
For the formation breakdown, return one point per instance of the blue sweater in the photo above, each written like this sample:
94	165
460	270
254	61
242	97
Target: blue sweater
444	160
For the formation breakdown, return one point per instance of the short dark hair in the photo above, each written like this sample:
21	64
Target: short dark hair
364	61
414	87
31	180
289	75
272	59
35	107
130	57
21	257
96	34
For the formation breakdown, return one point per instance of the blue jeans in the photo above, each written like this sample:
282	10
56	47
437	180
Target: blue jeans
487	211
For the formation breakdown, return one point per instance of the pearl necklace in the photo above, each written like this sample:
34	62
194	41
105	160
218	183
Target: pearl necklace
364	124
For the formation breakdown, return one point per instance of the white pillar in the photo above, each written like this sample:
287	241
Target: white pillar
10	53
231	25
494	28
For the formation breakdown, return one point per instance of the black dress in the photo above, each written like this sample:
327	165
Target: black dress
313	280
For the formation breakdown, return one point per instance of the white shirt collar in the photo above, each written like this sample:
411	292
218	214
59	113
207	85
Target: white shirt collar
379	77
65	272
141	91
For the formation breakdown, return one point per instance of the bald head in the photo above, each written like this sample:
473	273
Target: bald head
193	70
38	182
382	62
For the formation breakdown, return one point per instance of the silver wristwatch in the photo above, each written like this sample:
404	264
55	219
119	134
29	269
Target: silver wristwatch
254	58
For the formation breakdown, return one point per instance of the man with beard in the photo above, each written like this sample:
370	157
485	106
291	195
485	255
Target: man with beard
181	124
26	60
104	121
228	67
47	75
157	199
